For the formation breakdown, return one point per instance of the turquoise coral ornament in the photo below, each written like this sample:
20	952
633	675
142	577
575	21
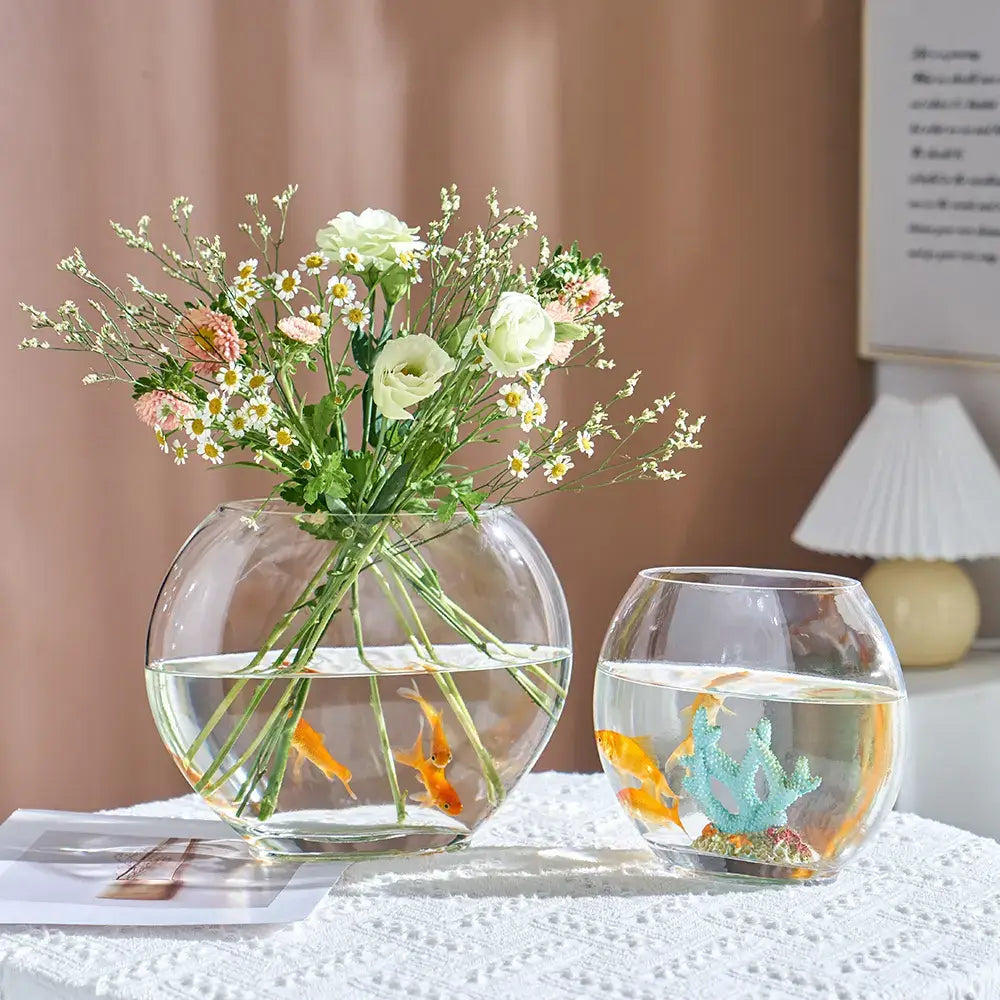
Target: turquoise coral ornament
754	814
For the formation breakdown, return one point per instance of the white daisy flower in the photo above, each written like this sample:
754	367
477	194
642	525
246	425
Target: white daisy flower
258	457
314	262
313	314
341	290
517	465
246	269
240	303
258	382
215	406
556	468
534	413
259	412
514	399
286	284
180	452
559	431
282	438
352	259
584	443
161	440
199	426
356	316
230	379
211	451
408	261
238	422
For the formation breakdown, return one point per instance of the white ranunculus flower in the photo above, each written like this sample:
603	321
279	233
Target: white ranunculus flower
520	336
406	371
378	236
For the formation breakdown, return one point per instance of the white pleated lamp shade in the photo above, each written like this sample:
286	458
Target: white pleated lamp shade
916	481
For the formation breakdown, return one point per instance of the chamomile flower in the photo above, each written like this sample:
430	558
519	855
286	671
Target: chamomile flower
198	427
211	451
517	465
259	412
258	457
408	261
314	262
313	314
246	269
514	399
356	316
352	259
258	382
240	302
534	413
282	438
215	406
180	451
555	469
584	443
238	422
286	285
341	290
161	440
229	378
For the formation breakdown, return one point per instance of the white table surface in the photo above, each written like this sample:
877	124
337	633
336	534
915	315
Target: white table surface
558	898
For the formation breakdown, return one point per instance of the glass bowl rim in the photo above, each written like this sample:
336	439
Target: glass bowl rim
276	507
798	581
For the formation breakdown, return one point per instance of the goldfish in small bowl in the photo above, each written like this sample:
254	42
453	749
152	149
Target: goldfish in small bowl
752	723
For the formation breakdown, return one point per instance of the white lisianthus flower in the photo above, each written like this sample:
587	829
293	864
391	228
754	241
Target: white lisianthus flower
520	336
405	372
377	236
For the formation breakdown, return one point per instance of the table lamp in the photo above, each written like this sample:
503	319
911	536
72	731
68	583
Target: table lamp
917	488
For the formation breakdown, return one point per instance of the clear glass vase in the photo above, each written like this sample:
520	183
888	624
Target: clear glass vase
357	685
751	722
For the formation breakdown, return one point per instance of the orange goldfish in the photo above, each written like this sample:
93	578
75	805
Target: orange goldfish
736	675
633	755
713	704
440	750
438	790
642	805
309	745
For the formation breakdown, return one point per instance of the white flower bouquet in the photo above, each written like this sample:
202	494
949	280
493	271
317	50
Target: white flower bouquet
422	347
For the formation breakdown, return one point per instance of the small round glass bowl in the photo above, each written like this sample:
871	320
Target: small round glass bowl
751	722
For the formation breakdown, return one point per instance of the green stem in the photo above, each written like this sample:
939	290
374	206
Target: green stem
269	643
376	703
390	761
270	800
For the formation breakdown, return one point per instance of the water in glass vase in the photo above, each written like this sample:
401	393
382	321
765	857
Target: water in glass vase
388	754
748	773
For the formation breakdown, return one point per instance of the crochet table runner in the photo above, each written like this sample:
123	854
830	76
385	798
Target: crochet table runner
558	898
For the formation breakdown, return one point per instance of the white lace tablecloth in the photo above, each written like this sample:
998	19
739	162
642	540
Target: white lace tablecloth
559	899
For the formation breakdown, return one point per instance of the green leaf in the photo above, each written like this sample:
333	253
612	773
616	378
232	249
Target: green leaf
447	508
319	416
330	479
391	489
570	331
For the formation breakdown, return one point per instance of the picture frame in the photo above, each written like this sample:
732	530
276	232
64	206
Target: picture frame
929	226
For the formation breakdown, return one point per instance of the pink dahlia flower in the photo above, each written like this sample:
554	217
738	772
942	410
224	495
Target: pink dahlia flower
300	330
591	293
559	312
163	410
210	338
561	350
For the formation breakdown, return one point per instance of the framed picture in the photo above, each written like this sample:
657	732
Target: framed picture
929	283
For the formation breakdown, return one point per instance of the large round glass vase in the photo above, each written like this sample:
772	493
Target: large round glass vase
357	685
752	723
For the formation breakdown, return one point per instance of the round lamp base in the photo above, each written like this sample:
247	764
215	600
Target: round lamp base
931	609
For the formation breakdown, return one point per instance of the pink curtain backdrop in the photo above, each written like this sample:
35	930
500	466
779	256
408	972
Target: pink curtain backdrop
709	149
